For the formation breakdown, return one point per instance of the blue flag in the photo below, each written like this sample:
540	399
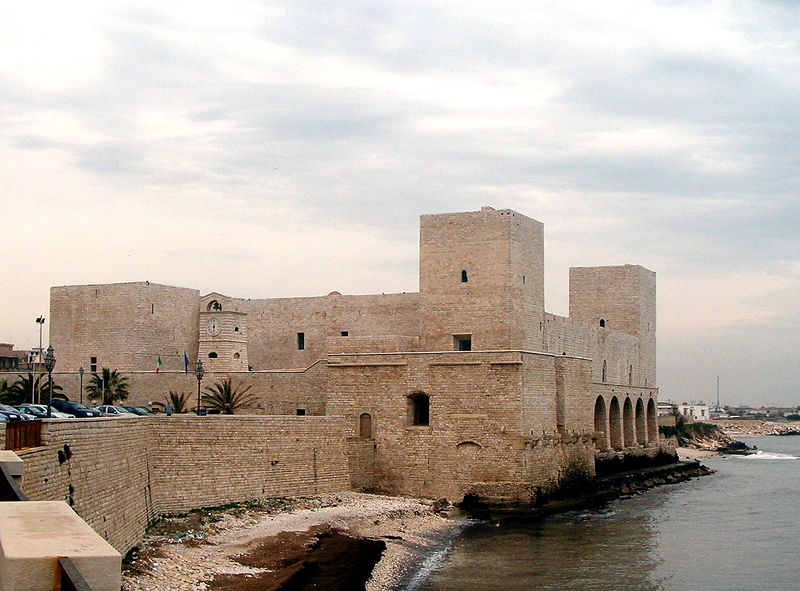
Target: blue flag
185	362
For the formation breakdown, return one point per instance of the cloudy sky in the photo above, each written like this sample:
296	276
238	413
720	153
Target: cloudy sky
267	149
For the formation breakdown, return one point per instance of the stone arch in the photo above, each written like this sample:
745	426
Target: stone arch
628	430
419	409
641	423
652	421
601	423
365	425
214	306
615	424
468	448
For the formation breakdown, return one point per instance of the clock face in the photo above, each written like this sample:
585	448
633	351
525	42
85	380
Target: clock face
213	327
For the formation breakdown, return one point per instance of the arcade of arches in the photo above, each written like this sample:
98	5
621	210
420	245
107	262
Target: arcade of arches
625	421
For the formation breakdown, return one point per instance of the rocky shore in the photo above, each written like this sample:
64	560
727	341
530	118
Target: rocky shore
757	428
348	541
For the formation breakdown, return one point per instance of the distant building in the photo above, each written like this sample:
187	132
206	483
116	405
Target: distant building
11	360
697	412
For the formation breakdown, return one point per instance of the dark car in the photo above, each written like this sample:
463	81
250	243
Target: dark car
138	410
75	408
13	414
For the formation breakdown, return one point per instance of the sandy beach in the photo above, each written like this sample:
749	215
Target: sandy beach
200	551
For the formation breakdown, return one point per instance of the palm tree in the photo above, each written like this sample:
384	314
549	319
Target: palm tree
21	390
178	400
222	396
108	386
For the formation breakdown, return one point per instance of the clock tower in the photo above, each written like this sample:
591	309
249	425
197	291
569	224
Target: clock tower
223	335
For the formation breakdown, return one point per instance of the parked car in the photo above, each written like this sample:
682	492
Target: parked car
110	410
138	410
13	414
40	411
75	408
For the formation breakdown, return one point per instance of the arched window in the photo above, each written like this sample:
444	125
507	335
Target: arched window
602	323
419	409
236	356
603	379
214	306
213	355
464	277
365	426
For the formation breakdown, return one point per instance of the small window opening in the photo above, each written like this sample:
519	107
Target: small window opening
93	364
301	412
464	277
365	426
419	409
462	342
236	356
523	280
301	341
345	333
214	306
212	355
235	329
604	371
602	323
152	308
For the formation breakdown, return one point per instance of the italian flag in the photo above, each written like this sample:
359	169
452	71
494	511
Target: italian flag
159	364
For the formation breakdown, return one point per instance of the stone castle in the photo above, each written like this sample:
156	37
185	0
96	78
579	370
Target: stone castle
467	386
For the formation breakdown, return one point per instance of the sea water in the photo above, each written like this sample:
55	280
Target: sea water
738	529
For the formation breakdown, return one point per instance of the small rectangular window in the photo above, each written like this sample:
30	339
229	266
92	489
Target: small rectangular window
93	364
301	341
301	412
345	333
462	342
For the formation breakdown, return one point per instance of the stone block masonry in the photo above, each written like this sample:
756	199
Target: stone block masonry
119	474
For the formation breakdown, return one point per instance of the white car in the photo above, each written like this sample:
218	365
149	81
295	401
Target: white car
109	410
40	410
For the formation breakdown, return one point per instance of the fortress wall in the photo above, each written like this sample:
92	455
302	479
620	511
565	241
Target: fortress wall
278	392
204	461
620	350
121	473
479	405
273	324
125	325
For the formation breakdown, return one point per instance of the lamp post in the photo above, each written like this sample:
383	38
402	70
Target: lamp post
199	372
80	373
49	364
40	322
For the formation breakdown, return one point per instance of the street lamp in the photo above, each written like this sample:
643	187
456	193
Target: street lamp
49	364
80	372
199	372
40	322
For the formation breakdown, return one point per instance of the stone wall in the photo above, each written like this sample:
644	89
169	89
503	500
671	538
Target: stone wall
118	474
486	409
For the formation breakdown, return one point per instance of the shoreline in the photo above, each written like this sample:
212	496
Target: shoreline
204	556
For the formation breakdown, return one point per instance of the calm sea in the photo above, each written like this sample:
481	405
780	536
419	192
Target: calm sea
738	529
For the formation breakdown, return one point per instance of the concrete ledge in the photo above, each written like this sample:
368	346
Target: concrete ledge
35	534
13	464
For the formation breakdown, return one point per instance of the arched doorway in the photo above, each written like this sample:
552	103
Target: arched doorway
615	424
641	423
601	423
652	421
628	433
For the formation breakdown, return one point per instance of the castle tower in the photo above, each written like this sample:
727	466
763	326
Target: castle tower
223	335
481	281
621	298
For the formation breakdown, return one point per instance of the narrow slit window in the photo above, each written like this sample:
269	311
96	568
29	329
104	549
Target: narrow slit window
602	323
301	341
464	276
603	379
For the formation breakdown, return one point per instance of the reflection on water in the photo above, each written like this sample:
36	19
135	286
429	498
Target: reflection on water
736	530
